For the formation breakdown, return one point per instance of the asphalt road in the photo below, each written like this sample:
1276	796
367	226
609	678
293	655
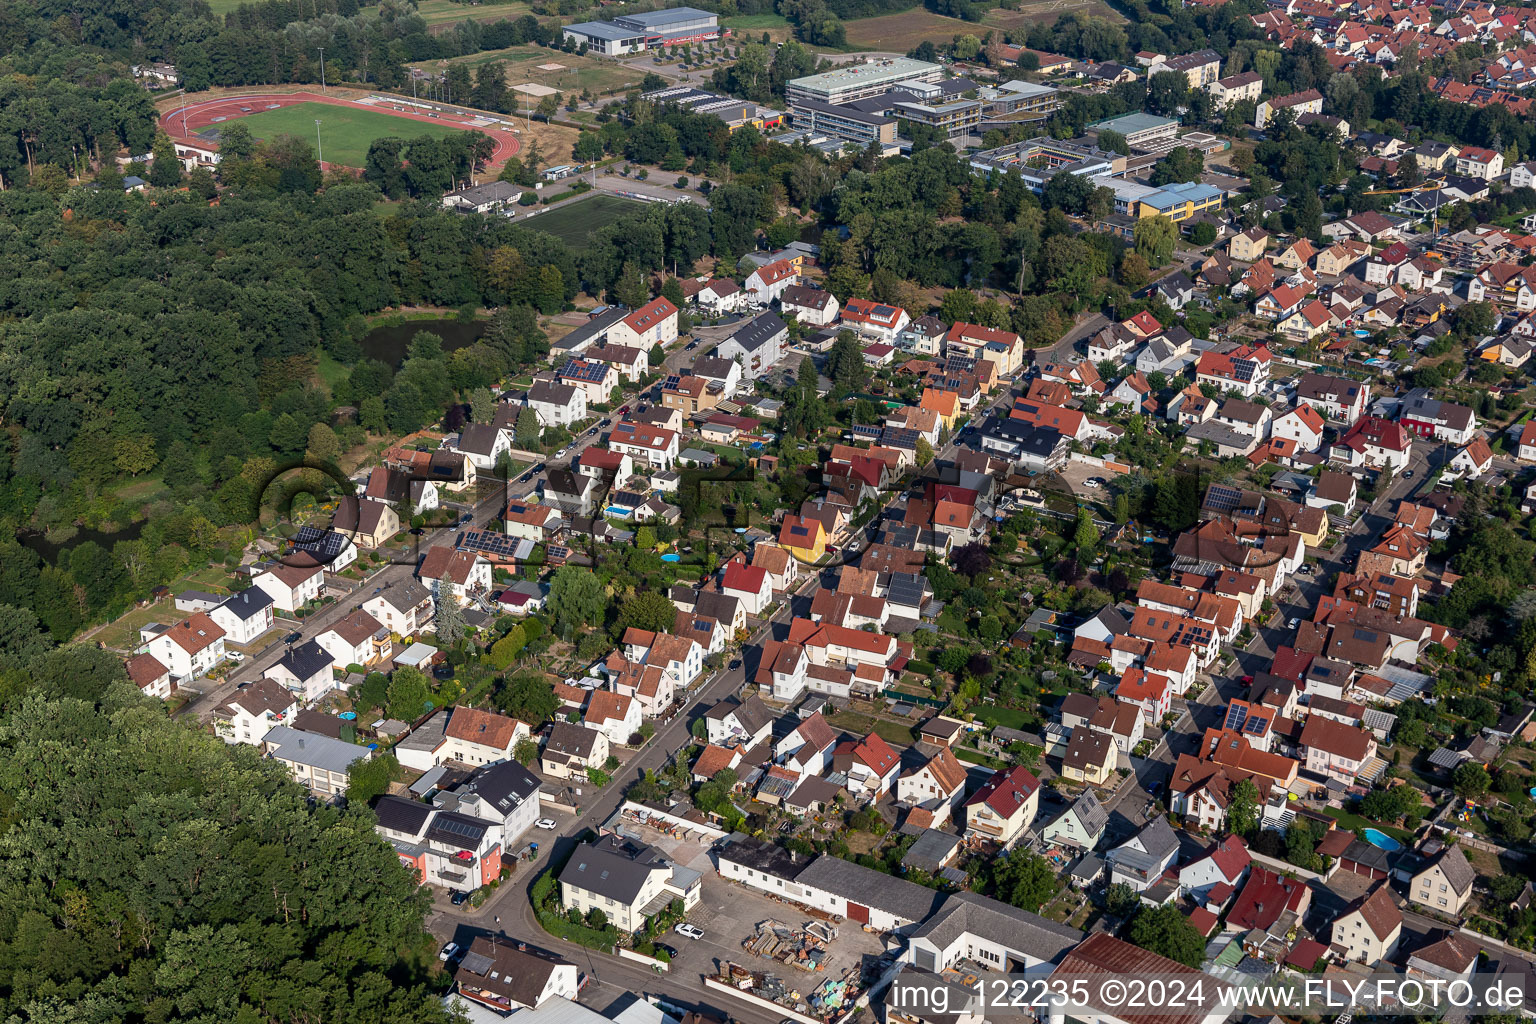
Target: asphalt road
487	511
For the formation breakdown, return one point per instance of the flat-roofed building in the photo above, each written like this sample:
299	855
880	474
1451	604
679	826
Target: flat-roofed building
632	32
856	81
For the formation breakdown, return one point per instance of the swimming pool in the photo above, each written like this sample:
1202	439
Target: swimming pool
671	557
1381	840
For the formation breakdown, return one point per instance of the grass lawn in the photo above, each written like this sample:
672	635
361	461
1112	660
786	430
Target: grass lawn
1012	718
446	12
752	26
330	372
573	221
524	66
903	30
345	134
1354	821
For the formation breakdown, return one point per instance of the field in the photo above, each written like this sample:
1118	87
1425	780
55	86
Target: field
438	13
900	32
752	26
345	133
579	73
572	221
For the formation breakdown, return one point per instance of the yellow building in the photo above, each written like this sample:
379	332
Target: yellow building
806	539
1180	202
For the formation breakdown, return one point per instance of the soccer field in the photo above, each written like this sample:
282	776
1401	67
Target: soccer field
572	222
345	132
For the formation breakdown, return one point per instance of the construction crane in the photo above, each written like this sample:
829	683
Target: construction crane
1427	186
1432	185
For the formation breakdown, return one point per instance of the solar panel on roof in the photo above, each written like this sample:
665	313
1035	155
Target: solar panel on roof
1236	715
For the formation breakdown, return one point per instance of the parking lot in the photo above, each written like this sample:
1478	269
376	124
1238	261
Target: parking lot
729	915
1078	474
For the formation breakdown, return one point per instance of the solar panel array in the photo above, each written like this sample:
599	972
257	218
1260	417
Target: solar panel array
1222	498
585	371
490	542
1237	714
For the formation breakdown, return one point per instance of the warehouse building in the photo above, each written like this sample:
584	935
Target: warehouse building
634	32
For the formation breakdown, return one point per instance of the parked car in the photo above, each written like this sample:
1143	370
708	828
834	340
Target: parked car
460	898
669	950
293	638
448	952
545	823
234	656
1293	624
688	931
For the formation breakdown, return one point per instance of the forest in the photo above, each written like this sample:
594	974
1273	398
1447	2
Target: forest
149	872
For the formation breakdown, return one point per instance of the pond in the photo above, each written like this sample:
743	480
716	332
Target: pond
51	549
389	343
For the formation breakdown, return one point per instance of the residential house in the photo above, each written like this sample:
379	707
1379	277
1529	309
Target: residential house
768	282
1303	426
357	639
815	306
321	764
630	362
1249	246
1480	163
875	320
1226	863
1336	750
557	404
1444	884
252	711
1244	369
459	575
732	722
625	879
572	749
291	587
1442	421
1003	807
722	295
654	323
1374	443
480	443
937	786
476	737
803	538
1369	928
190	648
1471	461
596	379
244	616
749	584
757	345
404	608
613	714
151	677
505	978
1140	861
1091	757
870	765
306	670
1080	826
1336	398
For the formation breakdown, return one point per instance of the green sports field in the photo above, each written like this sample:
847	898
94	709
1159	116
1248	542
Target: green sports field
571	222
345	132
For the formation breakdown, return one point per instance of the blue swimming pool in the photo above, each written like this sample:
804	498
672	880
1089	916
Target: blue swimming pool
1381	840
671	557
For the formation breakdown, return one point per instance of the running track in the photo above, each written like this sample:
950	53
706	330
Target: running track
199	116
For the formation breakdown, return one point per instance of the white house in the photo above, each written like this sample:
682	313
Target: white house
613	714
749	584
767	283
403	608
252	711
1141	860
306	670
244	616
654	323
732	722
655	447
1303	425
556	404
457	574
814	306
482	445
357	639
291	587
190	648
936	786
1003	807
478	737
